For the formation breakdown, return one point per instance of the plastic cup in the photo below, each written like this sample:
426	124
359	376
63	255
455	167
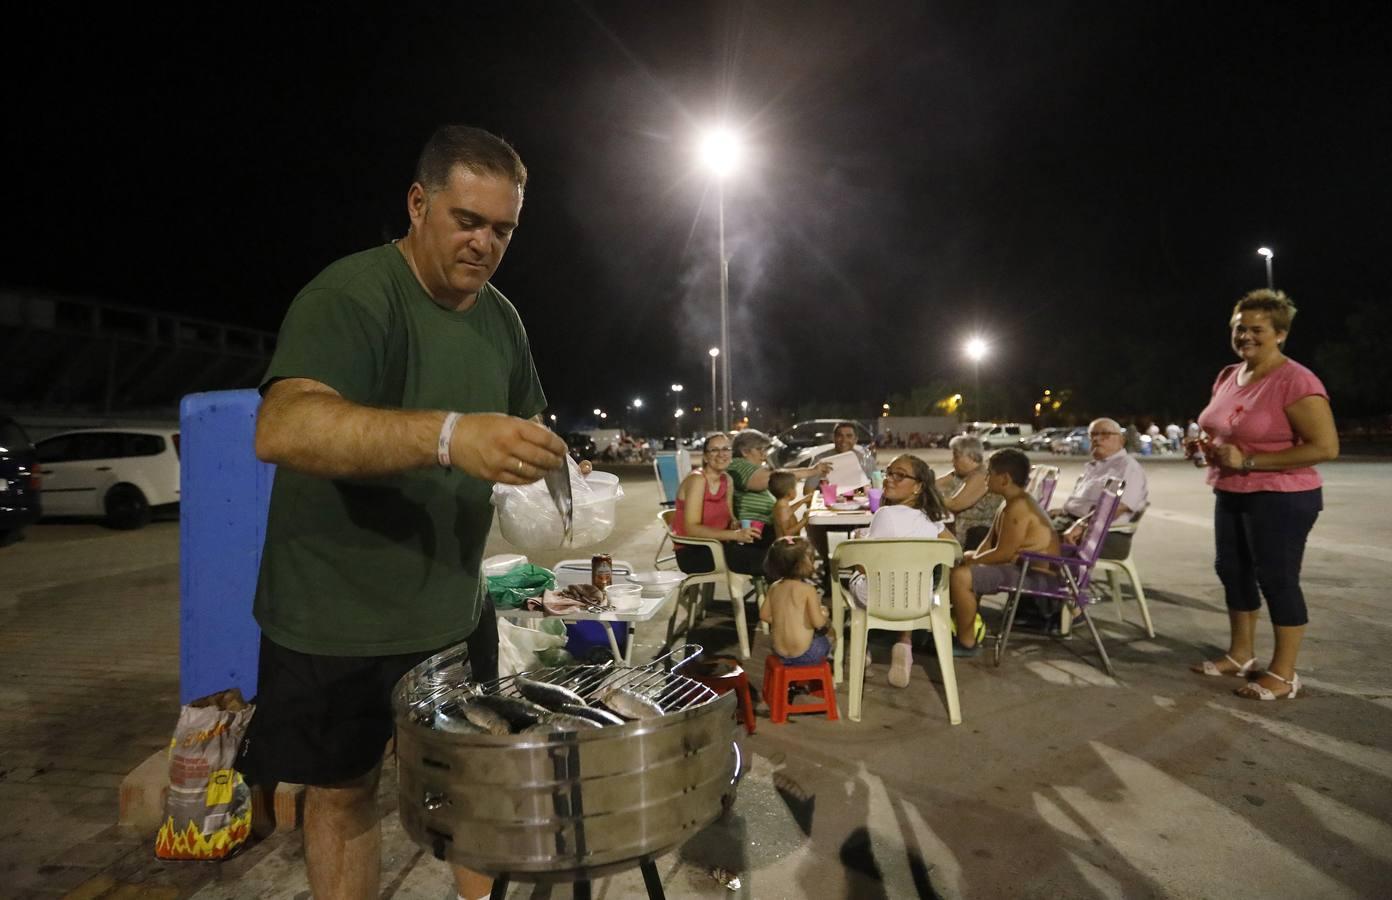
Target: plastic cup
875	495
757	526
746	523
877	479
828	493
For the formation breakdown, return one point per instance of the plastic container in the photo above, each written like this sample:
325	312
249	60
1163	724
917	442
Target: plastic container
527	517
502	563
655	584
625	597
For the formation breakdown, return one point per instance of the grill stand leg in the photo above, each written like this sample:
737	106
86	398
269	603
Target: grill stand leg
581	889
652	880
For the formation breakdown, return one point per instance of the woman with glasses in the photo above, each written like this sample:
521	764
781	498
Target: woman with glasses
1269	423
911	508
705	508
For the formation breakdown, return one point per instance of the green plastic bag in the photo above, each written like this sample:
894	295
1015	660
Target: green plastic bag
511	590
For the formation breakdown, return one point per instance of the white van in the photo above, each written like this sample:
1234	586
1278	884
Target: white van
120	474
1006	434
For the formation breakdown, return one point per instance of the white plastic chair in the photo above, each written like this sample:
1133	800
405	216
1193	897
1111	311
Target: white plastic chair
1114	569
907	589
697	587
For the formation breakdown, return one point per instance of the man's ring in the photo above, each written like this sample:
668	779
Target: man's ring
519	467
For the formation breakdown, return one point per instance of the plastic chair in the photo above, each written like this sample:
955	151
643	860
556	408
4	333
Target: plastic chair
696	588
907	588
668	471
1075	565
1114	569
778	677
723	679
1042	481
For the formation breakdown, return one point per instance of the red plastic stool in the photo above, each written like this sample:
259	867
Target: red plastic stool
723	674
778	678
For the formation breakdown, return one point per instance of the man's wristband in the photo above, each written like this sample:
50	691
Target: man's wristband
442	447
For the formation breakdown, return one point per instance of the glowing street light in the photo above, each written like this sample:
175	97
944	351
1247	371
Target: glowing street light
637	402
596	411
676	388
721	152
1266	252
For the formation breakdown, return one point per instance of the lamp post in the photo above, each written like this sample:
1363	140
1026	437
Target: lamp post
1266	252
720	152
714	352
976	351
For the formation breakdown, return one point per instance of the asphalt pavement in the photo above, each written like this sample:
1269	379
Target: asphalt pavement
1060	781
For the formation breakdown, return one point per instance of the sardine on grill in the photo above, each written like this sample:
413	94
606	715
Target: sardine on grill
598	716
554	723
630	704
484	717
551	696
515	711
455	721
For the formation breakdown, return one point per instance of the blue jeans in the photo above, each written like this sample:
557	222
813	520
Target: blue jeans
815	654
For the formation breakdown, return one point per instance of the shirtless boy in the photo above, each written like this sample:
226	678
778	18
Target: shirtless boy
1020	526
786	521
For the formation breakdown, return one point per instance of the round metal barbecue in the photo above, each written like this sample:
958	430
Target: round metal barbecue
563	806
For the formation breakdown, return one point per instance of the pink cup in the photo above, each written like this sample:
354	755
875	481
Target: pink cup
875	495
757	526
828	493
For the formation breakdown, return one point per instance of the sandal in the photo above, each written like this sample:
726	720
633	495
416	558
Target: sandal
1255	690
1211	669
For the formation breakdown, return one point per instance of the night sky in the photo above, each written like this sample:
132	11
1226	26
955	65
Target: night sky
1085	184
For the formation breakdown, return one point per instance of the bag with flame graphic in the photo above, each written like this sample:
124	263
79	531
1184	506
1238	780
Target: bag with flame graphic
208	808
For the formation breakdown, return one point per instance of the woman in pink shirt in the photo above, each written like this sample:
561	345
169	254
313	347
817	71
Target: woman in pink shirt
1268	424
705	507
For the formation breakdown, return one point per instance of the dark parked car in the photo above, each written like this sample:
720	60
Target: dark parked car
581	445
19	481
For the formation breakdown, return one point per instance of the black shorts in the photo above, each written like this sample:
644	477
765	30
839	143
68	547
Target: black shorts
323	720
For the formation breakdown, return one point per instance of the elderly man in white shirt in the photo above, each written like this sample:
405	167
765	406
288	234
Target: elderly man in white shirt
1109	460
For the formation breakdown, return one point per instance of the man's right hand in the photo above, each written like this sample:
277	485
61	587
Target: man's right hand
504	449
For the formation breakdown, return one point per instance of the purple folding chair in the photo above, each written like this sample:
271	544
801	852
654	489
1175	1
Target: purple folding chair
1074	566
1044	487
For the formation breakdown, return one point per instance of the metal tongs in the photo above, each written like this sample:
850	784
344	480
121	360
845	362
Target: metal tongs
558	486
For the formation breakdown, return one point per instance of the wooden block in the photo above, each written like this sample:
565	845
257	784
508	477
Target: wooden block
289	806
143	791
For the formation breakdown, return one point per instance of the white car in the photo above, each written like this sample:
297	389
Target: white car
119	474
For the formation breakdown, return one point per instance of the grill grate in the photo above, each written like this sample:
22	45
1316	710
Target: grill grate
448	682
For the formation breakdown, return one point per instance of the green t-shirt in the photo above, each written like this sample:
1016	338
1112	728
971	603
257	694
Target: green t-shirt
749	504
387	565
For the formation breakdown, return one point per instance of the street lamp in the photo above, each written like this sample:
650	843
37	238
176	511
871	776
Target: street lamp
976	351
1266	252
715	402
721	152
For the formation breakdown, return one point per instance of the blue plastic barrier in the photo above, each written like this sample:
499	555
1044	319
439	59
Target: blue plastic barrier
225	492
